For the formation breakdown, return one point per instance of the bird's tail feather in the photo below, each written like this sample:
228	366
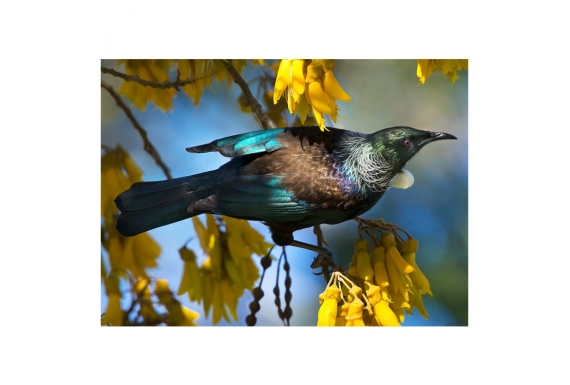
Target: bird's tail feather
148	205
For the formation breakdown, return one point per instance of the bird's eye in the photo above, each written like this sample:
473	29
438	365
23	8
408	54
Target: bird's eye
407	143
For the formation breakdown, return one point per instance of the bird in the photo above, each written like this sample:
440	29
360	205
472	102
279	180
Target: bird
288	178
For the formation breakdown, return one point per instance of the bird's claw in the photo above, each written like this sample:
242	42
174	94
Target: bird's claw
323	258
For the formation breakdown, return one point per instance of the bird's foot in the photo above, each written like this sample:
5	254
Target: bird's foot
323	260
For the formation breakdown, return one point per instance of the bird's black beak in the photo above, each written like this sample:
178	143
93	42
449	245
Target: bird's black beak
436	136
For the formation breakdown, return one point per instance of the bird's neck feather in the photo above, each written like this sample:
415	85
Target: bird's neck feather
363	165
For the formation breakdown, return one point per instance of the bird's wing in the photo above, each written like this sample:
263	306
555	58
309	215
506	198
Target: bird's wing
268	141
259	197
244	144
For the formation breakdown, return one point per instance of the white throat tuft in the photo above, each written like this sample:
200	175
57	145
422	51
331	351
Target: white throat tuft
403	179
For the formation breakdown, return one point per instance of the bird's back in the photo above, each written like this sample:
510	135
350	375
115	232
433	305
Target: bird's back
311	168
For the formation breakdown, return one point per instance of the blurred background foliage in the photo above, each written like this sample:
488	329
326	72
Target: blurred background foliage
384	93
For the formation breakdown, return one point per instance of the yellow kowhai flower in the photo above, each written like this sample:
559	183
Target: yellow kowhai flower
114	313
147	310
309	83
327	313
447	67
384	315
179	315
290	77
384	284
228	269
191	281
135	254
202	71
350	313
151	70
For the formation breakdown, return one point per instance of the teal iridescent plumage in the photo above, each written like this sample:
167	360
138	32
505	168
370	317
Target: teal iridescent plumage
289	178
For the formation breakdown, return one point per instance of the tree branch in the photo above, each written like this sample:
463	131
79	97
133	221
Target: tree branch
164	85
265	120
148	147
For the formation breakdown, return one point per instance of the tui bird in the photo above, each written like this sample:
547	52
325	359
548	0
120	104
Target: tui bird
289	178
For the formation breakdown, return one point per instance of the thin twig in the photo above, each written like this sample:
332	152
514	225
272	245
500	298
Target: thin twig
164	85
265	120
320	237
148	147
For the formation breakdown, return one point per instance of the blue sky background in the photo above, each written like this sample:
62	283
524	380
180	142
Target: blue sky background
384	93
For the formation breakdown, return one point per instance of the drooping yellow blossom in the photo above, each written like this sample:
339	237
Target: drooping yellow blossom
447	67
135	254
309	83
113	314
227	270
352	306
327	313
147	310
191	281
289	77
128	258
385	283
179	315
384	315
201	73
364	265
151	70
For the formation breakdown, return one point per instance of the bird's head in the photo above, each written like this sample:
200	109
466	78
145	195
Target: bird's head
375	162
397	145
